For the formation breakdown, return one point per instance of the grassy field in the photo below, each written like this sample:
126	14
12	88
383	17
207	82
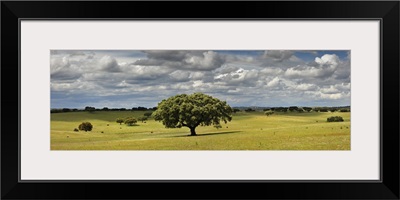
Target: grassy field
246	131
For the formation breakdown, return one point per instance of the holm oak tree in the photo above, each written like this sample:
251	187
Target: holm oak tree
193	110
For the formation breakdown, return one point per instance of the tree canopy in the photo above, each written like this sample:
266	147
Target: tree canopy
191	111
130	121
119	120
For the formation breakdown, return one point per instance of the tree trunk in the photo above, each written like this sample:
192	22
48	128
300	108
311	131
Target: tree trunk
192	131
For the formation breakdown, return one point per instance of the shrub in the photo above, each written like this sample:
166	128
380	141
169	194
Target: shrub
335	119
76	130
85	126
269	112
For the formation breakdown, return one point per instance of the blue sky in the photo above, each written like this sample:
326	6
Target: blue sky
132	78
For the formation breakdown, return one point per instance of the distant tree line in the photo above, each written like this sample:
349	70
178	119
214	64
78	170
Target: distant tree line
92	109
297	109
235	110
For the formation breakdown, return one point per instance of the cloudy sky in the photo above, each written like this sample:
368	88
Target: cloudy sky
131	78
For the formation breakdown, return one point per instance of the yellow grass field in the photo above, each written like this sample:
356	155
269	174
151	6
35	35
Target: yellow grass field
246	131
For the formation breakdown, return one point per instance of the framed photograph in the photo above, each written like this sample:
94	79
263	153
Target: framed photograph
116	99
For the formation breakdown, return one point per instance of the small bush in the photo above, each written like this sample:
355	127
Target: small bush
335	119
85	126
269	112
76	130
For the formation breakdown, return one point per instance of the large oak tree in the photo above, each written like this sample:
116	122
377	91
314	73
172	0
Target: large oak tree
191	111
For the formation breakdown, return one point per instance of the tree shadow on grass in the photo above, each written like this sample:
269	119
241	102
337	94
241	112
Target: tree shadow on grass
132	125
208	134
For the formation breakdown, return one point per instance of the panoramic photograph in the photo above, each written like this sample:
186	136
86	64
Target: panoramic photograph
200	99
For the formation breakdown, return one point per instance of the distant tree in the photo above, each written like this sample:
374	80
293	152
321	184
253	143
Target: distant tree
142	119
141	108
130	121
335	119
324	109
293	108
154	108
88	108
55	110
66	110
344	110
119	120
147	114
249	110
193	110
269	112
105	109
281	109
235	110
85	126
307	109
332	109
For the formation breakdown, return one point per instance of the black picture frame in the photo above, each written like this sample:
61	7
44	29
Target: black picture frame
386	11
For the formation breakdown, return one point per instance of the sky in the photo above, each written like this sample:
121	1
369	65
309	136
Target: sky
132	78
